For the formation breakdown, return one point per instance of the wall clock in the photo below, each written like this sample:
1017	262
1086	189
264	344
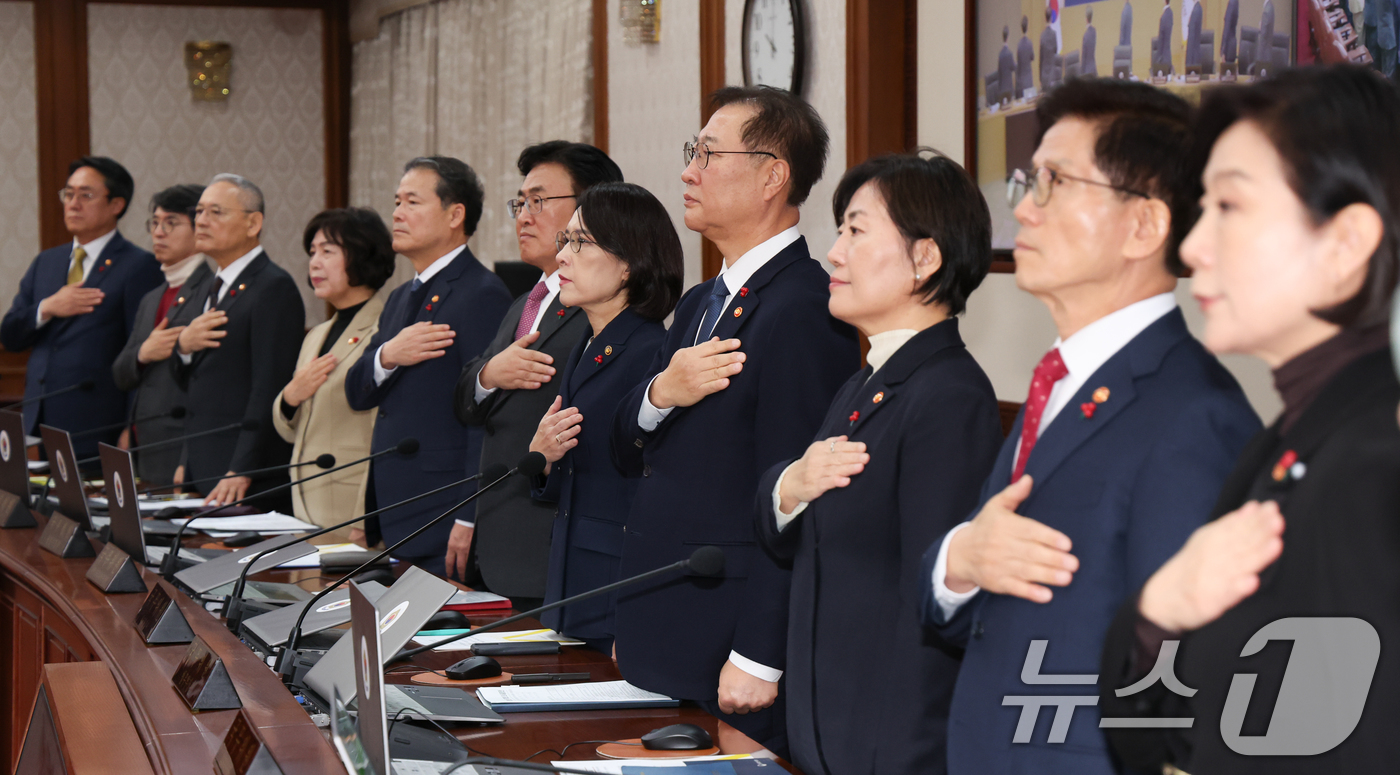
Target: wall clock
775	44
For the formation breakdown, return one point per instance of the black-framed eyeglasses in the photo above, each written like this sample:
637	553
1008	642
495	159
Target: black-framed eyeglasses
703	152
215	211
168	224
534	204
1040	182
576	241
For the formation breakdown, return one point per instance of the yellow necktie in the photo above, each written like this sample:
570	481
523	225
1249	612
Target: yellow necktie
75	272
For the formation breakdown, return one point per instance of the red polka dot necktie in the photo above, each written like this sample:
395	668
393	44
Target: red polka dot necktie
1050	370
532	309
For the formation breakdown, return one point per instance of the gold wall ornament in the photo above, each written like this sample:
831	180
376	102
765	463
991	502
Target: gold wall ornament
641	21
208	63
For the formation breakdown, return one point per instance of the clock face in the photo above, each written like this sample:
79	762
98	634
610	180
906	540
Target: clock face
773	42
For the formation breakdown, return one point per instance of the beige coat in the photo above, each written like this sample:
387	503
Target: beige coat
326	423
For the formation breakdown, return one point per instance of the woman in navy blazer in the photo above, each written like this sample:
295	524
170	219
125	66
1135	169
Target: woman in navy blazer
620	261
900	459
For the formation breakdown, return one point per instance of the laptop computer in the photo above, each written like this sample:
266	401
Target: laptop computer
207	577
14	466
272	629
123	510
67	481
408	604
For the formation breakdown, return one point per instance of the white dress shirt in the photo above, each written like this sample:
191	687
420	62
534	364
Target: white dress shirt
93	250
733	276
551	284
381	373
229	275
882	346
1083	354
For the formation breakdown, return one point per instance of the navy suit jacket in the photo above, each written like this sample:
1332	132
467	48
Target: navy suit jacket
930	423
700	469
1127	486
585	550
416	402
67	351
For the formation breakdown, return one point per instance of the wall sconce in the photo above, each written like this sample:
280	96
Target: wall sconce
208	63
641	21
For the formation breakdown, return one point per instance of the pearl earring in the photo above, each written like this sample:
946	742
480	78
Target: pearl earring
916	278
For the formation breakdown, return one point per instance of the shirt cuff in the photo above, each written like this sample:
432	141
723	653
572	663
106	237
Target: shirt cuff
761	672
185	358
784	519
481	392
465	523
948	600
39	319
381	373
649	416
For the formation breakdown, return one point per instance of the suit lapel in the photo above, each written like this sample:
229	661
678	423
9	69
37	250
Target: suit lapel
440	287
606	348
553	321
744	302
105	261
883	387
192	292
244	282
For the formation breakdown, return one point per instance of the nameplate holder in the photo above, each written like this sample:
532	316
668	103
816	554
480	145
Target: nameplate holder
160	620
114	571
14	512
202	681
243	752
65	538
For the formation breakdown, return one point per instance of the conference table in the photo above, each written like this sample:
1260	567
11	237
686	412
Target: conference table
50	614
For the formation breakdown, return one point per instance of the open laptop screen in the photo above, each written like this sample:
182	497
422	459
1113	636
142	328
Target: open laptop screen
67	481
121	501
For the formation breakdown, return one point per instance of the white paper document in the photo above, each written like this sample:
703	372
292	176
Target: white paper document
156	505
271	522
582	694
614	766
518	636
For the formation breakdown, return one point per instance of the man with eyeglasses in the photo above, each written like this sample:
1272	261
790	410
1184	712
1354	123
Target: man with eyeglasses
76	307
1124	441
143	366
748	369
242	327
504	547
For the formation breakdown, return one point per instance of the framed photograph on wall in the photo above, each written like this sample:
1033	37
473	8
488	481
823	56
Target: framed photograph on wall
1021	49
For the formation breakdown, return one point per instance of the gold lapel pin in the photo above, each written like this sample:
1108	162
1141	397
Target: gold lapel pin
241	286
180	300
1101	395
435	298
607	350
108	262
738	311
353	340
878	397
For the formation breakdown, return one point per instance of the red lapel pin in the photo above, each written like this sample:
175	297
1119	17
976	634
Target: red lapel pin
1285	465
430	307
597	359
1087	409
560	313
354	339
743	292
855	416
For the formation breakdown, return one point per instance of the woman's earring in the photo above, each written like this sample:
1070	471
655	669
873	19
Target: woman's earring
917	277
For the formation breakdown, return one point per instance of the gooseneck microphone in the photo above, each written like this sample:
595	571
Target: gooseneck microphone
323	461
242	425
705	561
529	466
168	565
175	413
85	386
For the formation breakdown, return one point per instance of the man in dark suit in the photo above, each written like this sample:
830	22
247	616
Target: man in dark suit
1006	66
1088	65
430	328
1162	64
1049	47
1025	54
242	331
1193	35
77	304
1230	35
1123	443
742	382
144	366
508	388
1125	24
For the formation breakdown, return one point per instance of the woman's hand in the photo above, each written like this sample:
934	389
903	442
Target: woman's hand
1217	568
308	380
556	433
825	466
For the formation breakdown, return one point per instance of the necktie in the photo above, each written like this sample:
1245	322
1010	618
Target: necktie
75	271
212	300
718	294
1050	370
416	292
532	308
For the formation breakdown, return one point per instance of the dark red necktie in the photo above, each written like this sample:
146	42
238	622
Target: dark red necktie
1050	370
532	308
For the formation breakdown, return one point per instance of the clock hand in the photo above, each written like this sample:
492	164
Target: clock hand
771	44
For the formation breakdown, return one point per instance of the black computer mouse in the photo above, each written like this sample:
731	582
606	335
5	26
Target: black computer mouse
240	540
447	620
382	575
472	668
677	737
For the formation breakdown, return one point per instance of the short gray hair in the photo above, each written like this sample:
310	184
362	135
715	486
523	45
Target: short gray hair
249	194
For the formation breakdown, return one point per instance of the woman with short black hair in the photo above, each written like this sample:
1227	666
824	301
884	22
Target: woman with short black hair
620	261
899	461
352	257
1295	259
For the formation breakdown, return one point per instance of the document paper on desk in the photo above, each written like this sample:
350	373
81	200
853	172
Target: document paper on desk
603	695
156	505
683	766
517	636
271	522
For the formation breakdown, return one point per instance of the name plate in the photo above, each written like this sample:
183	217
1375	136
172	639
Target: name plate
243	752
202	681
65	538
114	571
14	512
160	621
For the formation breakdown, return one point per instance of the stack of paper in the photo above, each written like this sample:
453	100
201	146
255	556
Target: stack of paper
517	636
604	695
269	523
699	765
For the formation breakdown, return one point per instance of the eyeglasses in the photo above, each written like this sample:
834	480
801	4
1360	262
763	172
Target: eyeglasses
66	195
703	152
215	211
534	203
167	225
576	241
1041	184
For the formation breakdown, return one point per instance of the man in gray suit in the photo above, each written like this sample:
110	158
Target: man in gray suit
1006	65
1088	67
1163	63
1229	43
1025	54
508	388
1125	25
143	366
1193	35
1049	47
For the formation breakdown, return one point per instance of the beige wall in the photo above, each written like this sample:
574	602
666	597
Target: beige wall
271	130
19	148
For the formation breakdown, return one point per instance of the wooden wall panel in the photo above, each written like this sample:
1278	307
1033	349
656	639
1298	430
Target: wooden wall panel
711	78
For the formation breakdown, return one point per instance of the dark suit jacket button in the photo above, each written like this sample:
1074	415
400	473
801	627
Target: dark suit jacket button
381	412
977	630
638	443
646	470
